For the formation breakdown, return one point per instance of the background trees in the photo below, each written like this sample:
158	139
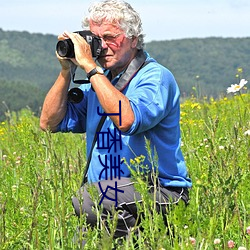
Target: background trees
202	67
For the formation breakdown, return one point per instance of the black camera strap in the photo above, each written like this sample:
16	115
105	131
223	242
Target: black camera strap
136	64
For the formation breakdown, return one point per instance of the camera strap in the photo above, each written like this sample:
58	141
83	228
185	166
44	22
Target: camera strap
136	64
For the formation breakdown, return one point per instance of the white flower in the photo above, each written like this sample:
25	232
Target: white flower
242	248
217	241
246	133
237	87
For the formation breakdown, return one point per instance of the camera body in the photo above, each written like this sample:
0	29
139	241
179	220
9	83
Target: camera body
65	48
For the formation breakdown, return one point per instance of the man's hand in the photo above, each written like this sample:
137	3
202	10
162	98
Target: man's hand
66	63
83	54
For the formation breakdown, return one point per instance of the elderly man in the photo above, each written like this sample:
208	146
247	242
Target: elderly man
139	99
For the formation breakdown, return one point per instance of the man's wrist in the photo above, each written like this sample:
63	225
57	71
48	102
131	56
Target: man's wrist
65	73
97	70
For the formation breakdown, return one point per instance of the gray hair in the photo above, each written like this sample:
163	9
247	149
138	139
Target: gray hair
120	13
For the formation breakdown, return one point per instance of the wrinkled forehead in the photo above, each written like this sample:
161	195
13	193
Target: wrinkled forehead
105	20
104	25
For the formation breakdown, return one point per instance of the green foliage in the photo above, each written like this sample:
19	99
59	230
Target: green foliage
28	58
14	95
36	184
40	172
28	68
208	62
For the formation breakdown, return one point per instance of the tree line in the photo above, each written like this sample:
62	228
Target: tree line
202	67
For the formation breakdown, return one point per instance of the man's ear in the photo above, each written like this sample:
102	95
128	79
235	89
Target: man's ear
134	42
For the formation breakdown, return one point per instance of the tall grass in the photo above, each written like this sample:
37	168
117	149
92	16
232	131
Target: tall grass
40	172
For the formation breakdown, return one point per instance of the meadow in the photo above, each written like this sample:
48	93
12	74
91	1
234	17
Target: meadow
40	172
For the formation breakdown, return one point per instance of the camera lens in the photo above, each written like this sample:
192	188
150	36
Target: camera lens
65	48
75	95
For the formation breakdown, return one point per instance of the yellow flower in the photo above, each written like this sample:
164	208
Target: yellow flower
132	162
240	70
195	105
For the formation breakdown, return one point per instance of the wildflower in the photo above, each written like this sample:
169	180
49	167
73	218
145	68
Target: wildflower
192	240
248	230
198	182
132	162
242	248
137	159
195	106
240	70
237	87
216	241
221	147
22	210
14	188
45	216
247	133
230	244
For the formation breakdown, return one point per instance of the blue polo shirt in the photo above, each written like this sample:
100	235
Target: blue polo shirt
154	97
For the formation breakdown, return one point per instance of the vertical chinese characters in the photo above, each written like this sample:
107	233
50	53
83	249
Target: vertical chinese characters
111	163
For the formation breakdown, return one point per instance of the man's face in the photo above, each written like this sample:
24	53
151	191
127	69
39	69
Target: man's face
118	50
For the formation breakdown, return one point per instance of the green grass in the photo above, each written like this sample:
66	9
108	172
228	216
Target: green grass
40	172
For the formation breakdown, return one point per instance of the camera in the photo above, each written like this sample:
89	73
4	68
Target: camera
65	48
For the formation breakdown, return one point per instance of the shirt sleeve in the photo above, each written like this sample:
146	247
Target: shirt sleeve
152	98
75	117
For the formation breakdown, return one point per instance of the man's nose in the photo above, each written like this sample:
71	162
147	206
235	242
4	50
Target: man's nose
104	44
